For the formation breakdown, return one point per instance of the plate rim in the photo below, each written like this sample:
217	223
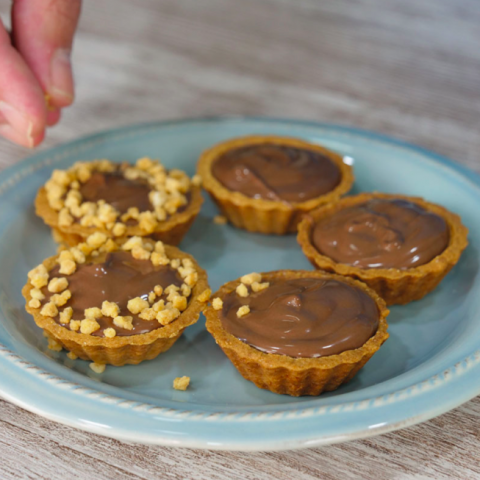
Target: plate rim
11	175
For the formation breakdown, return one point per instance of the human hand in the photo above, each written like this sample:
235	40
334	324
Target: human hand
36	79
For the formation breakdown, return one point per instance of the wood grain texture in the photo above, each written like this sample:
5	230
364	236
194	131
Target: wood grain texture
406	68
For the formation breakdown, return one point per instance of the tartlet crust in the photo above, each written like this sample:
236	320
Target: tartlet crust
171	231
395	286
266	216
122	350
295	376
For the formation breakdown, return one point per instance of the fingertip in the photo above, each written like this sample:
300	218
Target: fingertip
8	132
53	117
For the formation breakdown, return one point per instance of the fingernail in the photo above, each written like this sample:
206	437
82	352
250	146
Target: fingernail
19	121
61	78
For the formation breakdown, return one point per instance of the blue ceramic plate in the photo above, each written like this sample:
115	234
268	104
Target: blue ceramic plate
430	364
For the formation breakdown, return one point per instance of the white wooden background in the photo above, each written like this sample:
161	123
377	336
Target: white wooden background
407	68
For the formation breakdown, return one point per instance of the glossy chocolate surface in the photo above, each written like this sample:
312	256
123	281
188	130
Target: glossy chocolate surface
382	233
303	317
116	190
118	277
277	172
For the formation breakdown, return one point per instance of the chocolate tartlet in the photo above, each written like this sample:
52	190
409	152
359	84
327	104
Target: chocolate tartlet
400	246
119	200
266	183
116	304
297	332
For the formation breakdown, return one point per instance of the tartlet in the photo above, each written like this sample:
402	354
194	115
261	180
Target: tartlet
396	285
104	301
286	374
73	203
268	211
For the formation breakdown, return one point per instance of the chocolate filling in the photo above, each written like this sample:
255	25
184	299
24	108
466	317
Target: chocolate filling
115	277
382	234
277	172
116	190
303	317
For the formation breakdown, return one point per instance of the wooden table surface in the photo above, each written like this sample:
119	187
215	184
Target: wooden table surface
407	68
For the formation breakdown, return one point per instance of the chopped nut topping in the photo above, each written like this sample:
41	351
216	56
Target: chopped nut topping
197	180
88	326
171	288
250	278
181	383
160	305
175	263
180	302
160	247
242	311
159	259
242	290
66	315
258	287
57	285
64	218
71	356
110	332
97	239
132	242
136	305
151	297
191	279
167	316
158	290
78	255
204	296
49	310
140	253
109	246
67	267
75	325
61	299
110	309
34	303
97	367
217	303
93	312
38	276
119	229
186	290
148	314
123	322
220	220
37	294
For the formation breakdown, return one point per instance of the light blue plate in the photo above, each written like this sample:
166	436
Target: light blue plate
430	364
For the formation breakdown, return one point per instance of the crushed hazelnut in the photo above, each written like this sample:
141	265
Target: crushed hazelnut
217	303
132	242
242	311
110	332
140	253
64	218
123	322
158	290
151	297
119	229
148	314
158	306
250	278
37	294
97	367
136	305
61	299
171	289
96	239
75	325
167	316
220	220
34	303
109	246
93	312
160	247
67	267
191	279
110	309
78	255
175	263
186	290
66	315
180	302
57	285
38	276
204	296
258	287
88	326
242	290
197	180
49	310
181	383
159	259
